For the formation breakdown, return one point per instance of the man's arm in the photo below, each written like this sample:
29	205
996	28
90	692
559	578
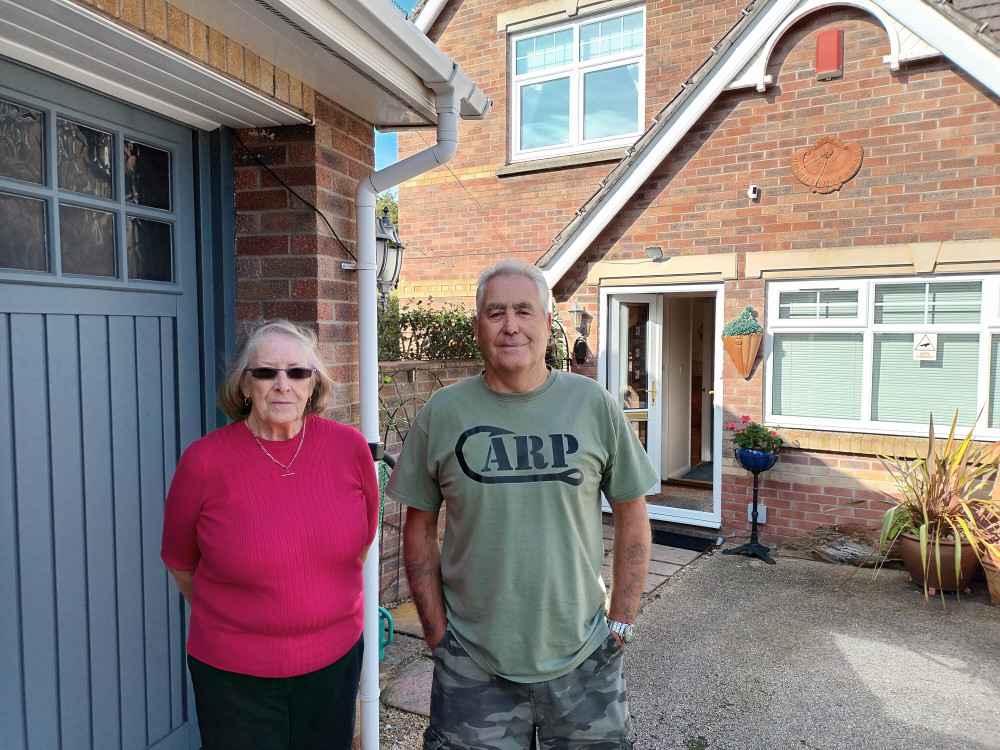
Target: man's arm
422	560
630	558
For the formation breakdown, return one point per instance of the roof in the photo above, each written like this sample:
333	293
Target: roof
916	28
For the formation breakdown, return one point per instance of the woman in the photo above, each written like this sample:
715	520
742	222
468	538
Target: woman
267	524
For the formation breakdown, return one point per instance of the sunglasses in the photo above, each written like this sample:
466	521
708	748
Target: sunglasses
270	373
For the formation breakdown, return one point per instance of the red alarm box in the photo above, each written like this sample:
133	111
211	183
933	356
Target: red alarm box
829	54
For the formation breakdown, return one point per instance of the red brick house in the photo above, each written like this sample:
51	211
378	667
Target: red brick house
836	165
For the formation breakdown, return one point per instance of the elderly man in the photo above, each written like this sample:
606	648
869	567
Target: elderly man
513	605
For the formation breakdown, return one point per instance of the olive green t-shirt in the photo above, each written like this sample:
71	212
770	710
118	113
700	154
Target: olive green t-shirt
521	476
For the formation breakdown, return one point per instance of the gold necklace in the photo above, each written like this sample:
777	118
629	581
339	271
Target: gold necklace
287	467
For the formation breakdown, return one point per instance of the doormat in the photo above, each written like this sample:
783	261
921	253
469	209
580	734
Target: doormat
681	541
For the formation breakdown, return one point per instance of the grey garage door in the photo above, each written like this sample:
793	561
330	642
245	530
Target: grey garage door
99	390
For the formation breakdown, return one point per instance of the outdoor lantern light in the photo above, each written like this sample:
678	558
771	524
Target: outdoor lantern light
388	256
576	317
655	254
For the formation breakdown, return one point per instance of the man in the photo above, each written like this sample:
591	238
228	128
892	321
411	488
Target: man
513	604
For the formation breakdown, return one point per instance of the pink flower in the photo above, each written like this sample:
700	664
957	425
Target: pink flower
732	426
774	434
746	418
739	432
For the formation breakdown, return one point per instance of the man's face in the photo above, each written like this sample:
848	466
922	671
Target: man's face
512	329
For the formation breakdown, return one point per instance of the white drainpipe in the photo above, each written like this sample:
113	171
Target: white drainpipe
448	104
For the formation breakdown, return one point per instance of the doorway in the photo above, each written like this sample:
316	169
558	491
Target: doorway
661	358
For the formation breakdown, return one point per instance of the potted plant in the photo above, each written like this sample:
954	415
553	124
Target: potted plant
741	337
756	445
942	516
990	557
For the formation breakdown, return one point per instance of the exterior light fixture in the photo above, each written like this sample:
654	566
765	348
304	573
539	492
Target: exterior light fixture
655	254
388	256
576	317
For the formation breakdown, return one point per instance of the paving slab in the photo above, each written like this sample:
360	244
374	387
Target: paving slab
674	555
409	689
663	569
405	620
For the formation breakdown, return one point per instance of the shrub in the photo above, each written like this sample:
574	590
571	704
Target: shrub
422	332
742	325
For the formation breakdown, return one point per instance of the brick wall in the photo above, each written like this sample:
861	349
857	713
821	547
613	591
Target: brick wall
462	217
288	261
164	23
931	173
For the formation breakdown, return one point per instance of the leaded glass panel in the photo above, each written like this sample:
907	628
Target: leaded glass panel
84	159
22	133
22	233
147	175
87	241
149	254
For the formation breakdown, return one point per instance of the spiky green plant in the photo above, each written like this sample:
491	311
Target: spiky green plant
941	497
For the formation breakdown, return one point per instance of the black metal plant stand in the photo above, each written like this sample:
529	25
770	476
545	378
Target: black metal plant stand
758	464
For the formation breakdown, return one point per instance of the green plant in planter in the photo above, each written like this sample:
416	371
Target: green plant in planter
743	325
942	500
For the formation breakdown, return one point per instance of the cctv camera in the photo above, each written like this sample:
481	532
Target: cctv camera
753	192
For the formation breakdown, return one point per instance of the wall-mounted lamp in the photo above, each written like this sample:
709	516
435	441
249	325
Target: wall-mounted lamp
388	256
655	254
576	318
580	351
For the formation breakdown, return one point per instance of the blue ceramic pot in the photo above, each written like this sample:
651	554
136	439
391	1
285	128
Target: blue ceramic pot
755	460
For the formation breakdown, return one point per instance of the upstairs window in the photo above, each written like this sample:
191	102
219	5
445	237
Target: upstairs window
882	355
578	87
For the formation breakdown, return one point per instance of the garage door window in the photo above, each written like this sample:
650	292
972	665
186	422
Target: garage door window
83	201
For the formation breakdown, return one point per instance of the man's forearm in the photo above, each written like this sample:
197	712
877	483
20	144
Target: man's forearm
422	560
630	559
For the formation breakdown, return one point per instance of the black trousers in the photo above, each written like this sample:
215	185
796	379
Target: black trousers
313	711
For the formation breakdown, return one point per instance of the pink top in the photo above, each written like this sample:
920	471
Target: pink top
277	582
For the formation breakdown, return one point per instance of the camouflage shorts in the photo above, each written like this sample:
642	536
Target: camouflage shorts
472	709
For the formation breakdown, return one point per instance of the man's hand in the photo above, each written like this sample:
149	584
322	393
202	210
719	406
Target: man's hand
422	560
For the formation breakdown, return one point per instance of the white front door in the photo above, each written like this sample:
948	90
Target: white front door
660	356
636	346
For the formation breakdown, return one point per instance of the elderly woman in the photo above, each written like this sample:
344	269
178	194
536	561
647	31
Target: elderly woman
267	524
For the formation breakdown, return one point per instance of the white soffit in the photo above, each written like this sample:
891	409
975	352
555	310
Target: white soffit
327	49
67	40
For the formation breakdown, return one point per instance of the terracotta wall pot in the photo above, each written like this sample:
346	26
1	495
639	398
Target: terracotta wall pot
909	550
742	351
992	580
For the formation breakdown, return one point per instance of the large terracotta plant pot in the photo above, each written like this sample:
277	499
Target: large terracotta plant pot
992	580
742	351
909	550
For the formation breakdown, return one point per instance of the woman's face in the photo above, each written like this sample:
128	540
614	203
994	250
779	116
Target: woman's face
279	403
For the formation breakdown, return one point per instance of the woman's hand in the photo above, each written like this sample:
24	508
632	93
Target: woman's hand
184	579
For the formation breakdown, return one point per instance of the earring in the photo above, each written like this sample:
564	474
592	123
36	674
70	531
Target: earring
246	400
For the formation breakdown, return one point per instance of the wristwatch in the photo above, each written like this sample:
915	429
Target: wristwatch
625	630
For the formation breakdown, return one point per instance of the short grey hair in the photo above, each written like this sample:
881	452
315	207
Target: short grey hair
514	267
230	395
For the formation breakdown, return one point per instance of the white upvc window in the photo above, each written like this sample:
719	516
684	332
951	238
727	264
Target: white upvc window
881	355
578	87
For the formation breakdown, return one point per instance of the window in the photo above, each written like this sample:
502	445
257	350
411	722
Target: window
882	355
578	87
86	203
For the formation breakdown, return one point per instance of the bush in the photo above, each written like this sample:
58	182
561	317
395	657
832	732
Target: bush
422	332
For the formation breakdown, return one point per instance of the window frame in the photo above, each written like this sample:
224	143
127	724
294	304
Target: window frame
53	195
987	328
576	72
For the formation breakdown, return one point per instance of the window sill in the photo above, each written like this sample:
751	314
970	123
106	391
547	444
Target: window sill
861	444
561	162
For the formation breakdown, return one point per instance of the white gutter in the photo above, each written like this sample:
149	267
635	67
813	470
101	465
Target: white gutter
429	14
449	103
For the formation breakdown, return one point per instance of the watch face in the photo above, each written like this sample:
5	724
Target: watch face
629	635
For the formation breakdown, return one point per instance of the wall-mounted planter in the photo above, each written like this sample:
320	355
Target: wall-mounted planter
742	351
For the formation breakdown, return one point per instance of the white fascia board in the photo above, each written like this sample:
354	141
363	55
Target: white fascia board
963	49
330	50
68	40
683	120
966	52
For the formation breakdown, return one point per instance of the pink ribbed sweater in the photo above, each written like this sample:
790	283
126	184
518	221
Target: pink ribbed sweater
277	583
